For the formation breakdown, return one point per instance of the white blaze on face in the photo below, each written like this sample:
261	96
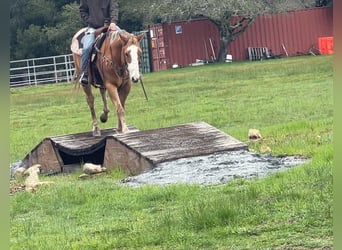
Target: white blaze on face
133	65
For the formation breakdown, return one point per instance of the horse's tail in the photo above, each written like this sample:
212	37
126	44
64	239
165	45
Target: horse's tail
77	72
76	50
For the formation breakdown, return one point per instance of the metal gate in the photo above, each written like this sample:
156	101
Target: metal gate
145	66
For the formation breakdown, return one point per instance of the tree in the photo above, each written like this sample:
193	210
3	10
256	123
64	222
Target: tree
231	17
322	3
60	35
129	20
45	27
27	19
32	43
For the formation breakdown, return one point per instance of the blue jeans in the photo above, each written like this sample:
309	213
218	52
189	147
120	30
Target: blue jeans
88	41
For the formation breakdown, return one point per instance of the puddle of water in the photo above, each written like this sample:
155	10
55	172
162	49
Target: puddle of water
214	169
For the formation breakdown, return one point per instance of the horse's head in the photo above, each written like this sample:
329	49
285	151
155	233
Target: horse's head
132	54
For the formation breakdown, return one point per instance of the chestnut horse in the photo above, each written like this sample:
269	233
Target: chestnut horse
118	64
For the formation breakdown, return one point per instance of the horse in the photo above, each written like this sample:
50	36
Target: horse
117	62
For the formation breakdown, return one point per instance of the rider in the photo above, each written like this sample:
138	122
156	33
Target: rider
95	14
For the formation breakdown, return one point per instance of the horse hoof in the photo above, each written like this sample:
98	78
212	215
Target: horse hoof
123	130
97	132
103	118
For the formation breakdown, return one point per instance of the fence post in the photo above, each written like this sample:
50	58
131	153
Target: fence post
34	73
66	68
28	71
55	69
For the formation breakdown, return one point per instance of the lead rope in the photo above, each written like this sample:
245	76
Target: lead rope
142	85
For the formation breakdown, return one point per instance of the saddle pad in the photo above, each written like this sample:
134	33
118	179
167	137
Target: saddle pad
77	42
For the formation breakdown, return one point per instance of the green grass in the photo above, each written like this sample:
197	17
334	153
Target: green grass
289	100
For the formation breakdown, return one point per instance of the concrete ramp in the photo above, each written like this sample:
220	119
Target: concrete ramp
134	152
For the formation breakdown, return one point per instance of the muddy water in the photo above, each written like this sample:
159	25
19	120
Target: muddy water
214	169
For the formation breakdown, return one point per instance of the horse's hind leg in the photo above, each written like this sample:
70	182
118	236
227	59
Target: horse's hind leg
90	101
104	115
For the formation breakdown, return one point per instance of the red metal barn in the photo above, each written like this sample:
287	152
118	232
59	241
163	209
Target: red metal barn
182	43
296	31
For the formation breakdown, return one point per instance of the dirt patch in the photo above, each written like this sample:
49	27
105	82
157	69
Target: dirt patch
214	169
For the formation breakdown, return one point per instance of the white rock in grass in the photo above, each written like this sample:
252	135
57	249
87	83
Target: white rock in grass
32	181
254	134
90	168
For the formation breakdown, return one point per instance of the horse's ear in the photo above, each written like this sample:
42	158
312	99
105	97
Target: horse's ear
141	36
123	38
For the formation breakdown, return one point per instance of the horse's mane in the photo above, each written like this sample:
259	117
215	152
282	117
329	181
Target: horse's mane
114	35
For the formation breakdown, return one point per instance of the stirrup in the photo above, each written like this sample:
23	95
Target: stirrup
84	79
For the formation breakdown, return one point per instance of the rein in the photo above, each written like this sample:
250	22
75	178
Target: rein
120	71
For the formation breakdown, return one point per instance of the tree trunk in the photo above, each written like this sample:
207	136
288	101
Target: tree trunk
224	43
228	33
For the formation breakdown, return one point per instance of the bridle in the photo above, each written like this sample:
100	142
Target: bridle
120	71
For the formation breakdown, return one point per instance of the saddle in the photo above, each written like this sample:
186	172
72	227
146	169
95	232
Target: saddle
95	74
77	46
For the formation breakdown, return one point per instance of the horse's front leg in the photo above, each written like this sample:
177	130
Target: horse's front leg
120	111
104	115
90	101
123	93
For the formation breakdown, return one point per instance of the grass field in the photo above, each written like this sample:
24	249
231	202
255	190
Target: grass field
289	100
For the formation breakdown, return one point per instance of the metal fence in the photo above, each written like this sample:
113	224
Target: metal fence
60	68
41	70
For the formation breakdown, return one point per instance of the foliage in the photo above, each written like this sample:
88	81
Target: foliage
289	100
128	19
34	42
322	3
27	19
56	21
59	36
51	23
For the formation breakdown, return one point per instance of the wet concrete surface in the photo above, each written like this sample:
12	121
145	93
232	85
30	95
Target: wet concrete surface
214	169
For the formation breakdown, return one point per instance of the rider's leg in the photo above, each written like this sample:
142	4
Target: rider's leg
88	41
